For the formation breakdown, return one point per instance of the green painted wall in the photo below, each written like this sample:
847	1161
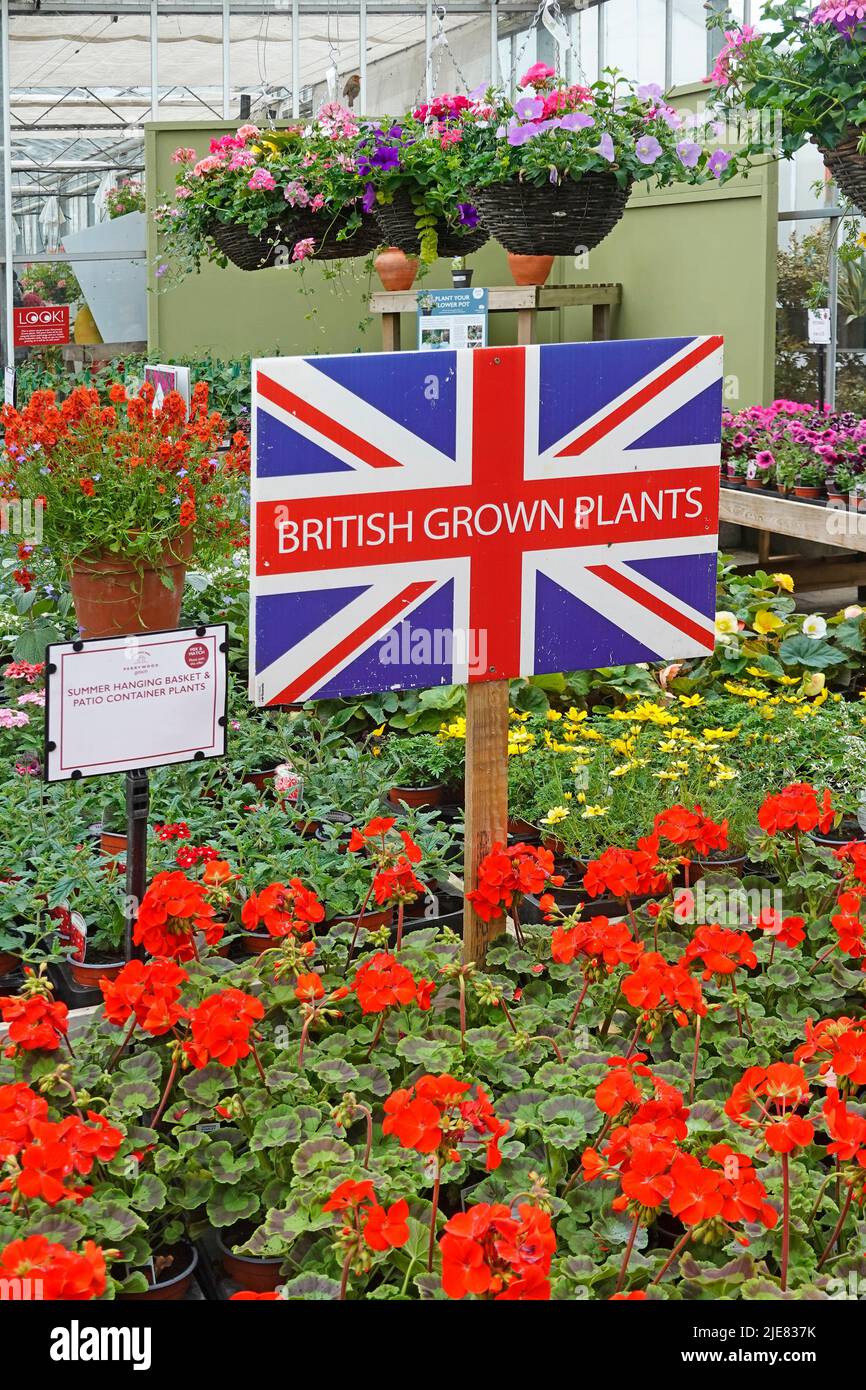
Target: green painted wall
690	260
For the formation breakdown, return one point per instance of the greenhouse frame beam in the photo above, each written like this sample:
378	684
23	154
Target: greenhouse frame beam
251	8
7	237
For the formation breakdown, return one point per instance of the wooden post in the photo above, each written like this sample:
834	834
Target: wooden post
486	799
764	538
525	327
391	332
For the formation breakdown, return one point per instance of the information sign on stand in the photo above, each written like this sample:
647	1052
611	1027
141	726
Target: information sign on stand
116	703
452	319
126	704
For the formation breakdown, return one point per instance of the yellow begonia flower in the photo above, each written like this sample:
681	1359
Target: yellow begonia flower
726	624
784	581
589	811
721	734
764	621
576	716
690	701
554	714
555	815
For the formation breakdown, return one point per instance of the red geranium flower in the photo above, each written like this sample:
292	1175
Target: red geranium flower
172	910
722	951
778	1090
61	1274
435	1114
797	807
37	1023
508	874
383	983
222	1026
788	931
691	830
488	1252
283	909
148	992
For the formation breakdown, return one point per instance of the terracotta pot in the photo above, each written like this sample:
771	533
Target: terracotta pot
371	921
255	943
250	1271
113	595
89	973
734	864
754	482
8	962
418	796
529	270
395	269
261	779
521	828
111	843
171	1289
807	491
554	844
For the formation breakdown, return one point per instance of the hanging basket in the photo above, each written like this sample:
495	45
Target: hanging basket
553	219
848	166
397	223
249	251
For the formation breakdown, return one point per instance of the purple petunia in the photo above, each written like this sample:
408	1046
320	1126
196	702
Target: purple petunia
529	108
718	163
648	149
605	148
519	134
468	215
368	202
577	120
688	153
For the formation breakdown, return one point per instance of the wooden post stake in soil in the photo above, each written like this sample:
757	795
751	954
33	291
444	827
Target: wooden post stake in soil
486	799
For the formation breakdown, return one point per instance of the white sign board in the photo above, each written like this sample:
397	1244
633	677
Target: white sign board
819	326
8	385
117	703
164	378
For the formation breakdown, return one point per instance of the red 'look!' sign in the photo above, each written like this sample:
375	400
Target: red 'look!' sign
39	325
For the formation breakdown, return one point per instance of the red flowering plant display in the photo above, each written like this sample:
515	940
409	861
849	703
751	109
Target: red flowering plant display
125	477
664	1083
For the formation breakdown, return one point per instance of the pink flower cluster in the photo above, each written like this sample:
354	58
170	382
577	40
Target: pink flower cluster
845	14
735	39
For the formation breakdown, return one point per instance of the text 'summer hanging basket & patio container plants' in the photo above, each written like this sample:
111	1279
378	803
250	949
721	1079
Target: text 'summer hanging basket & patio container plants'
551	172
806	80
128	494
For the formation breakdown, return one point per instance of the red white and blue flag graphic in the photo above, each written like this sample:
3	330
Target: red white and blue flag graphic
424	519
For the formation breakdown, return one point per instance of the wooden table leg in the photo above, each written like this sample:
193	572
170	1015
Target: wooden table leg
390	332
600	322
525	327
763	548
486	800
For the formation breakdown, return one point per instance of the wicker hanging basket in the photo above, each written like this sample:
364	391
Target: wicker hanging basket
848	166
397	223
256	252
553	219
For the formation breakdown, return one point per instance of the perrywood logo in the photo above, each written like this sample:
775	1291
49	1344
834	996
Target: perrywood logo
77	1343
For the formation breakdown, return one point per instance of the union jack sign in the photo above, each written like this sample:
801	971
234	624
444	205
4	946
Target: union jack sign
423	520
